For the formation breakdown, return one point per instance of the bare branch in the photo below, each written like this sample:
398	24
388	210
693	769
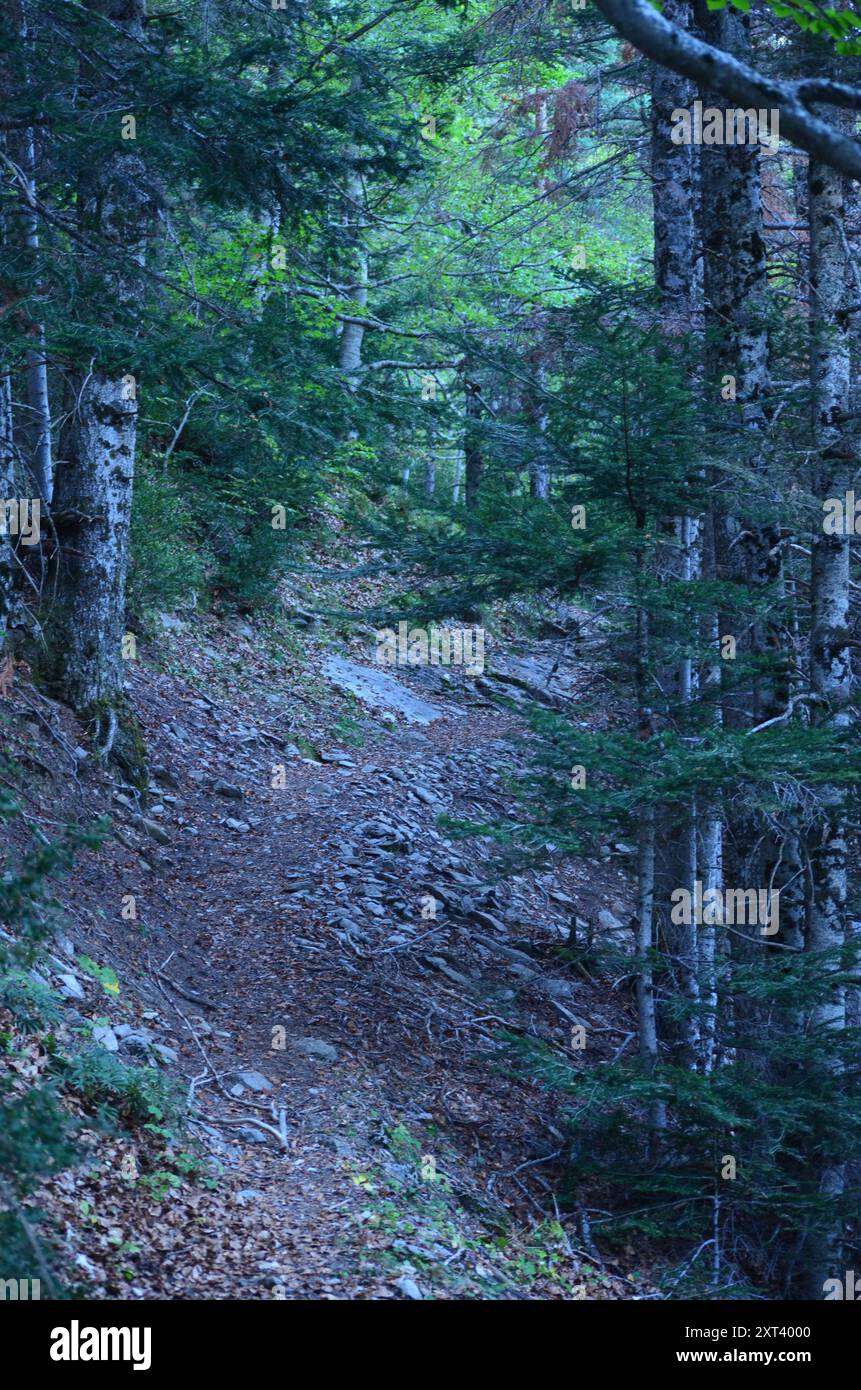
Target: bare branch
715	70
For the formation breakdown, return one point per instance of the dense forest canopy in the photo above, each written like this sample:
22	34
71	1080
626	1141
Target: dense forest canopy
549	302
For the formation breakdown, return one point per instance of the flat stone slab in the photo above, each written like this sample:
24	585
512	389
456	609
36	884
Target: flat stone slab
537	671
381	691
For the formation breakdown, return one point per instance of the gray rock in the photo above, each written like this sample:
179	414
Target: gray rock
609	922
252	1080
70	987
167	1054
154	830
486	919
408	1287
222	788
378	689
249	1135
124	1031
316	1047
240	826
106	1038
340	1146
136	1042
454	975
377	829
164	775
557	989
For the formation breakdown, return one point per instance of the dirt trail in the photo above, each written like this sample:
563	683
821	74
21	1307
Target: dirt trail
279	932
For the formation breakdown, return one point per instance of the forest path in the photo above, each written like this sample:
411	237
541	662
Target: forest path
280	934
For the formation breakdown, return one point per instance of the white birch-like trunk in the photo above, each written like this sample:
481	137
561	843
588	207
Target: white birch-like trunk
673	192
711	870
830	658
457	481
7	489
352	334
430	464
539	466
93	486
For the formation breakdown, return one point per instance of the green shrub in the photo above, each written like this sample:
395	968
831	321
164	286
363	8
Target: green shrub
122	1093
32	1004
166	566
37	1137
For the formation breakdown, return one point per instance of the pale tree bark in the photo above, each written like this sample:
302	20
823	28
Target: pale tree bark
737	304
457	481
539	464
647	1028
677	559
8	491
352	334
430	463
742	548
93	487
644	945
830	656
35	417
710	867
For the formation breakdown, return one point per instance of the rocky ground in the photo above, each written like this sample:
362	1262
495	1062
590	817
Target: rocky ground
288	927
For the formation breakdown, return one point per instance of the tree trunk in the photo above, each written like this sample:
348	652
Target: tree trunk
430	464
673	189
7	485
472	444
539	464
35	427
830	658
352	334
677	558
93	487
